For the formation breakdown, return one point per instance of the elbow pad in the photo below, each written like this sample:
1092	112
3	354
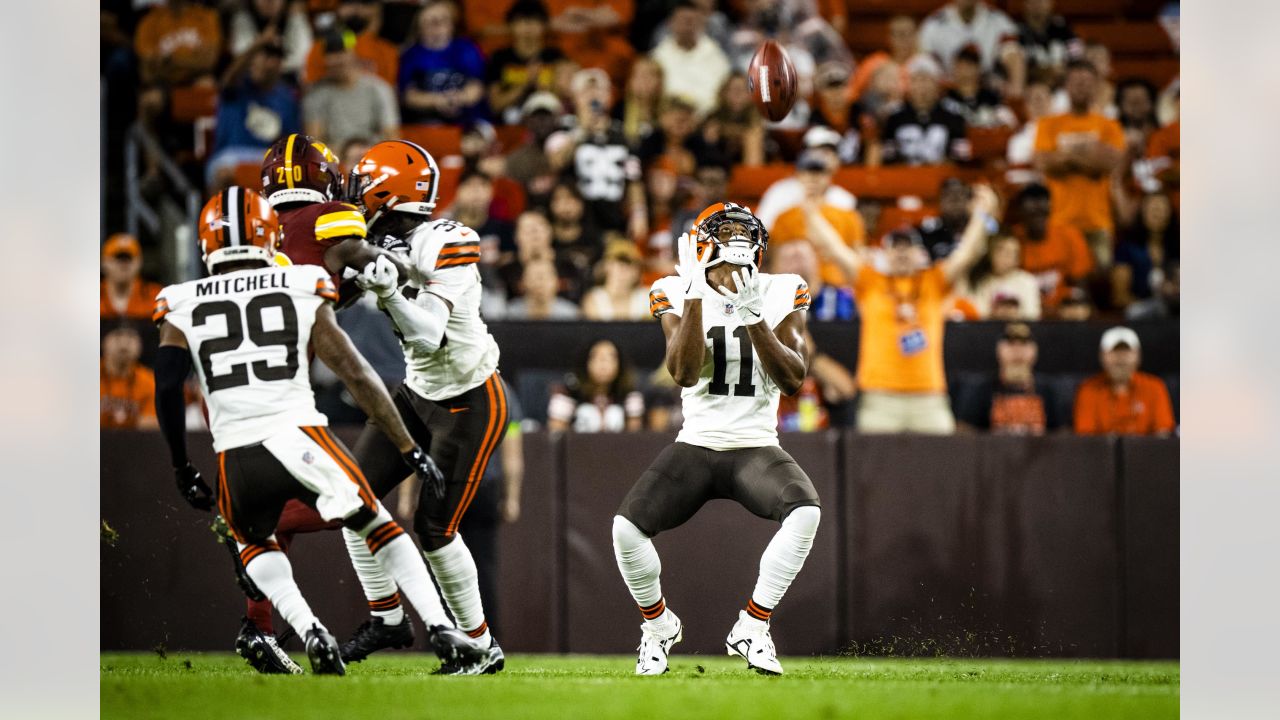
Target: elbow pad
421	324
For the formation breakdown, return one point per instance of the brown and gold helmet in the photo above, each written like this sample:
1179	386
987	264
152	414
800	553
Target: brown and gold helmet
237	224
300	168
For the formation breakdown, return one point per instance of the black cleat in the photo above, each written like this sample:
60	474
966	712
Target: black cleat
261	651
374	635
492	662
323	652
455	649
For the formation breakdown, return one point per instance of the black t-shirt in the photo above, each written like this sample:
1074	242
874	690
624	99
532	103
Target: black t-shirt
509	69
911	138
939	239
977	110
1047	49
989	405
603	164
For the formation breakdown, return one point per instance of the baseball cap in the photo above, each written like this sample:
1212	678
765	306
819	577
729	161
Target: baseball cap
1017	332
922	64
121	244
541	100
1118	336
812	160
821	135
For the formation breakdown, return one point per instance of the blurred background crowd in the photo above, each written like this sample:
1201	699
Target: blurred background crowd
579	138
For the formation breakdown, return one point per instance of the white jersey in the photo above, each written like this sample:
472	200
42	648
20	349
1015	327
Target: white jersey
735	402
249	332
444	256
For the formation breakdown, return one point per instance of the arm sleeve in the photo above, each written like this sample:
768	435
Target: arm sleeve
172	365
421	322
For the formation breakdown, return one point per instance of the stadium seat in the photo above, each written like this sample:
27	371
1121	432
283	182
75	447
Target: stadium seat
790	141
895	217
1127	38
510	137
891	182
187	104
249	175
989	143
1159	71
917	8
750	182
867	35
1074	9
440	140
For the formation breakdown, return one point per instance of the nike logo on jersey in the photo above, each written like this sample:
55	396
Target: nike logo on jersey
458	410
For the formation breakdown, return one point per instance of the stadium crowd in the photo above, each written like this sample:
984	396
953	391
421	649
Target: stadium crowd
579	138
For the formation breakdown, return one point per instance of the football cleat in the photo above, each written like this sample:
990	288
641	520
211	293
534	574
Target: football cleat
322	650
491	664
749	639
262	652
654	647
374	635
455	649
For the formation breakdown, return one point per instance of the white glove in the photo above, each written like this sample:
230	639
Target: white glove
748	302
380	277
691	268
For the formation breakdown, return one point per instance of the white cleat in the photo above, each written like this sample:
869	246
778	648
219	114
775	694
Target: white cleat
654	648
749	639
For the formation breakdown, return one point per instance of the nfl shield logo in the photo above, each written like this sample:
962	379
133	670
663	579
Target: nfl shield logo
308	458
728	309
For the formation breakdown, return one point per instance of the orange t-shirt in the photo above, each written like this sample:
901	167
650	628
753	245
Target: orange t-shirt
790	226
165	34
142	301
1167	143
124	400
1144	410
896	355
1078	200
1061	257
375	54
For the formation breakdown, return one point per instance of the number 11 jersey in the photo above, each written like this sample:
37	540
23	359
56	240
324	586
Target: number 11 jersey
734	403
249	333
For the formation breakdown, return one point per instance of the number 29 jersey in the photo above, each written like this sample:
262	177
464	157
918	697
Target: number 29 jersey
248	332
734	403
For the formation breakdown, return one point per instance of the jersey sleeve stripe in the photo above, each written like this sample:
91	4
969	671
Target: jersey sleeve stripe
341	228
325	289
452	251
460	243
162	309
455	261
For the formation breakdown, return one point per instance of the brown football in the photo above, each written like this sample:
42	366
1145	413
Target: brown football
772	79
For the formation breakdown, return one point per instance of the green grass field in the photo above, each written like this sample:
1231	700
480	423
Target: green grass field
192	686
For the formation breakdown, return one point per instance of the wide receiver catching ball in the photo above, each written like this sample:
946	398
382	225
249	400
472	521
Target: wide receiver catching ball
772	80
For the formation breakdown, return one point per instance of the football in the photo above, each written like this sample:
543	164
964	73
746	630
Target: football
772	80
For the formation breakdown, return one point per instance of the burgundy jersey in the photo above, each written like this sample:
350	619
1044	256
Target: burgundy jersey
312	229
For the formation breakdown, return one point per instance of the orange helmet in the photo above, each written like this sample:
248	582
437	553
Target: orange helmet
739	236
300	168
237	224
395	175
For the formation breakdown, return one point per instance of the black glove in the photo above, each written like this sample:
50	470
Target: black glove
427	471
192	487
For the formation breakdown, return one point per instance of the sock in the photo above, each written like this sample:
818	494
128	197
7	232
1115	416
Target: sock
398	557
455	570
641	569
782	560
379	589
259	611
273	574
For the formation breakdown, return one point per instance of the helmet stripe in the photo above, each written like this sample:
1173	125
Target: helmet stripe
233	212
288	160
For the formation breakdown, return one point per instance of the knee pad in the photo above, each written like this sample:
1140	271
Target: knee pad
625	533
804	519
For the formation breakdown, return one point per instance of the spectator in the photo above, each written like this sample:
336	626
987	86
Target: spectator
177	43
593	33
900	368
441	78
255	108
665	198
1077	306
941	233
526	66
1078	151
970	22
540	301
638	110
688	47
1036	101
278	20
603	164
471	207
829	302
348	102
1015	401
529	164
618	294
373	54
575	239
924	131
1136	106
600	395
1165	300
352	150
1144	253
718	25
127	390
1121	400
1162	165
979	105
804	411
1000	288
814	172
481	152
123	292
1055	253
808	38
1047	40
881	98
903	46
674	139
788	192
734	133
533	242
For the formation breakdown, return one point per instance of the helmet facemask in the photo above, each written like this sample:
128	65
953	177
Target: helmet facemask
738	236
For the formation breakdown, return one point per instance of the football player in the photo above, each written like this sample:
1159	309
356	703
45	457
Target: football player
735	341
249	327
453	400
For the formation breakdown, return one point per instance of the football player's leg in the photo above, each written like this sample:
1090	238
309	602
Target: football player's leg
463	454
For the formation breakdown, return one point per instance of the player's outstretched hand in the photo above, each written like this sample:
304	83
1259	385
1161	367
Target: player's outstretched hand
427	471
380	277
692	267
193	488
748	302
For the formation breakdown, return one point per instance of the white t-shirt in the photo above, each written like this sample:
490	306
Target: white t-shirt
943	34
734	403
788	193
249	332
695	75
